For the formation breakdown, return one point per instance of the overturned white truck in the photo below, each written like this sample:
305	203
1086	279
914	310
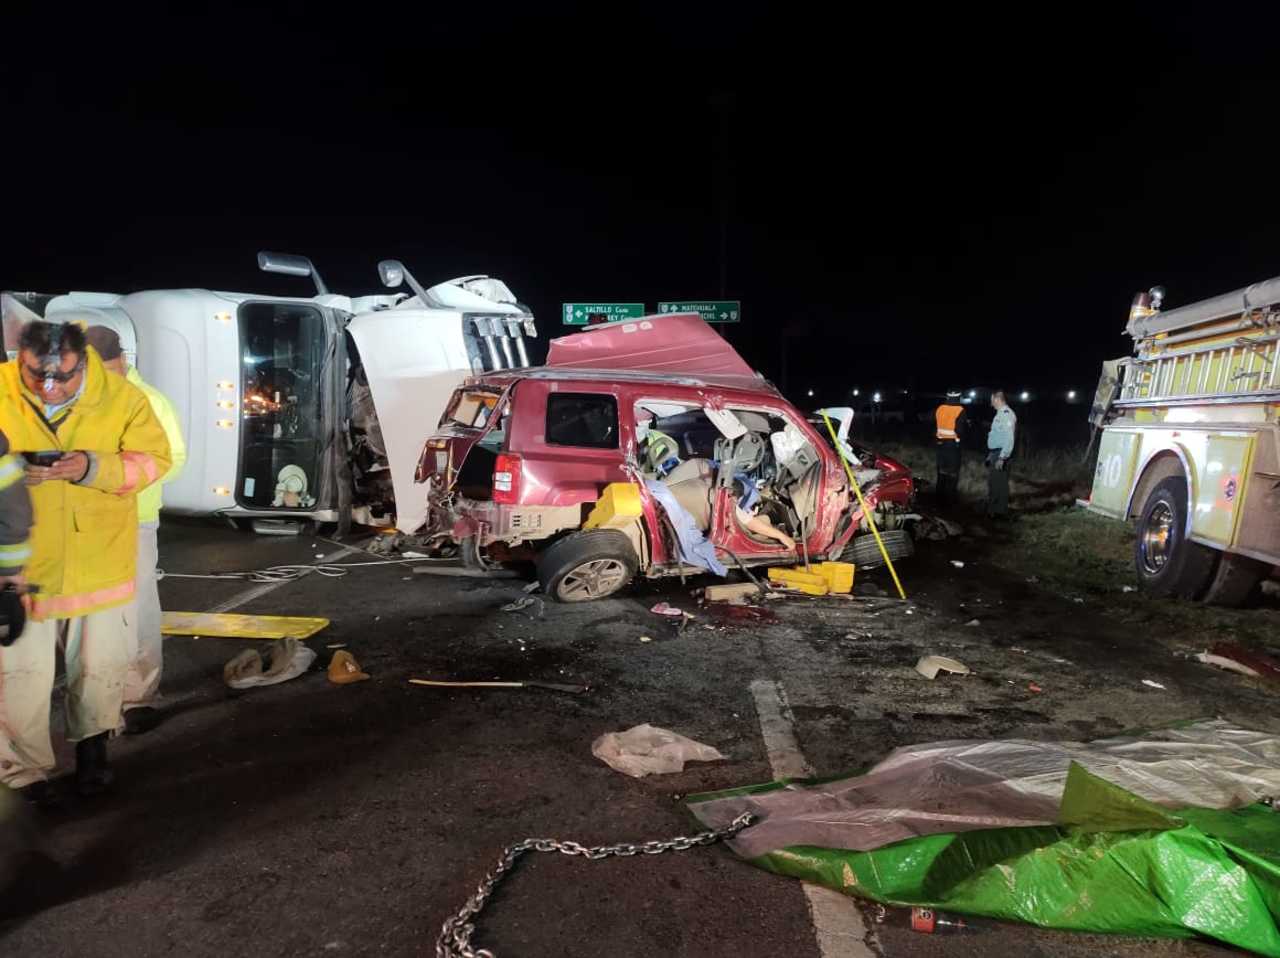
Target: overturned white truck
307	409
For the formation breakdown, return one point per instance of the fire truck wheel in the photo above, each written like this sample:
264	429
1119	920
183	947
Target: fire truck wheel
1236	580
1168	563
587	565
865	554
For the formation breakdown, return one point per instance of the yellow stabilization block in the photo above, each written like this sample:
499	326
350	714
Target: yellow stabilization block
811	582
839	575
227	625
617	508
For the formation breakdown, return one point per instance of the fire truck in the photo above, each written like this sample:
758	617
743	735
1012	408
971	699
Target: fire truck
300	411
1190	443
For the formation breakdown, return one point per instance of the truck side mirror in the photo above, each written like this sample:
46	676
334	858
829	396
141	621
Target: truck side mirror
391	272
290	264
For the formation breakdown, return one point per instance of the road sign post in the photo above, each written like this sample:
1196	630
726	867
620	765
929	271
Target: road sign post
585	314
711	310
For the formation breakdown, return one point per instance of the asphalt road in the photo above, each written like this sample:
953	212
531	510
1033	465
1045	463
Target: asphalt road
310	818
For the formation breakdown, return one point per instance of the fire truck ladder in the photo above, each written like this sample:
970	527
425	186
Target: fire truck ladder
1193	367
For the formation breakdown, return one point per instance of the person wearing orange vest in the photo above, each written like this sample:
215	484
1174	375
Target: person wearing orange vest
951	425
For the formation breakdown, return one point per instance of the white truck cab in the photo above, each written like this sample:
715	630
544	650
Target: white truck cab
302	408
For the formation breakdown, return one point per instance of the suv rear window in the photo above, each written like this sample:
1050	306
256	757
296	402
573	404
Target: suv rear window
582	419
471	408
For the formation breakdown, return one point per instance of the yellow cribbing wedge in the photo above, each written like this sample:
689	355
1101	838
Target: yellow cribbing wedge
227	625
839	575
811	582
617	508
867	513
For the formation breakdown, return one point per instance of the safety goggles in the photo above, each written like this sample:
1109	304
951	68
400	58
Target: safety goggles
55	375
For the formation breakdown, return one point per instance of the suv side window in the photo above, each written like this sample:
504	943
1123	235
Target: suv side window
588	420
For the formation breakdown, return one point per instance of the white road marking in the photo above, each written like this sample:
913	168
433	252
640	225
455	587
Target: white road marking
837	922
257	591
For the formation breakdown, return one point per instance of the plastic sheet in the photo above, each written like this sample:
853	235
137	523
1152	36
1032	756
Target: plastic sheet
1112	861
954	786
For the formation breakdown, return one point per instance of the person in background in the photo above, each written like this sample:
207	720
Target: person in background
146	662
951	424
999	451
95	443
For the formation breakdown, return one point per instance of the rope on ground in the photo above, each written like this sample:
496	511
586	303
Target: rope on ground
287	573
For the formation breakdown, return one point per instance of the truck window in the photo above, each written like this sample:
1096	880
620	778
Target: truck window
589	420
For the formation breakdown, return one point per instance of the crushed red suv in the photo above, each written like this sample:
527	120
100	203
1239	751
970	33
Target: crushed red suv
665	411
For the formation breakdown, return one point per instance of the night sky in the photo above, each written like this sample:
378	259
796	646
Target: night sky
922	199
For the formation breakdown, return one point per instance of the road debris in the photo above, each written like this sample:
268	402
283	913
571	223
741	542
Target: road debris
670	611
646	638
532	587
1033	687
649	750
523	684
524	602
336	645
972	624
344	669
735	593
1154	685
1129	588
285	660
1241	659
930	665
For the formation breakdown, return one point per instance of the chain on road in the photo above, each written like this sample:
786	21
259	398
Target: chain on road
455	935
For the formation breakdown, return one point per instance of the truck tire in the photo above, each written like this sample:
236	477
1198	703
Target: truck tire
1167	562
863	552
587	565
1236	581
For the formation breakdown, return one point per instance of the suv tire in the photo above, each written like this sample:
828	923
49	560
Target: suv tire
1168	564
863	552
587	565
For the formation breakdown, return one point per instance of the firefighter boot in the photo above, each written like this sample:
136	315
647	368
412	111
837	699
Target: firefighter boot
93	773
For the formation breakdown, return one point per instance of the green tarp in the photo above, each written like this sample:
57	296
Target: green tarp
1114	863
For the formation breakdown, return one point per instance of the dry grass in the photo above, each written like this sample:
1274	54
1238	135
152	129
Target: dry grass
1040	478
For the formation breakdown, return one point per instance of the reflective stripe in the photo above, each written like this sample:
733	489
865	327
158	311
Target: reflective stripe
15	554
70	606
947	434
137	466
10	471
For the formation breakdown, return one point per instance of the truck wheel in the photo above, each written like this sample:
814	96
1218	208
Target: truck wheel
1168	563
863	552
587	565
1236	580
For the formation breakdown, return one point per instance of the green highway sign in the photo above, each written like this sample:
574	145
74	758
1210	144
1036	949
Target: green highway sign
711	310
580	314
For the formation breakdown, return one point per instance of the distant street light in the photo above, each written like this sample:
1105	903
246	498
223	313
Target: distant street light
1025	396
1071	396
973	394
810	393
855	392
875	398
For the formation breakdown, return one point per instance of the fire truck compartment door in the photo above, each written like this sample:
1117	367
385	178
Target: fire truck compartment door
413	363
1113	478
1220	488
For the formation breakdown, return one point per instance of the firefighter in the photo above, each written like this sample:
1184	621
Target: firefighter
142	687
951	424
99	444
999	451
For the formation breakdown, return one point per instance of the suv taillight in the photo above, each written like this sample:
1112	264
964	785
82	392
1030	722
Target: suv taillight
506	478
